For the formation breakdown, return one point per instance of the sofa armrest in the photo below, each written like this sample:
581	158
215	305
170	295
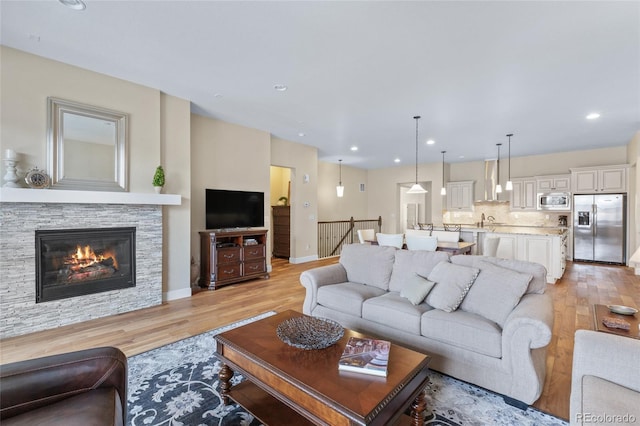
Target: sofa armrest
31	384
534	316
525	337
606	356
315	278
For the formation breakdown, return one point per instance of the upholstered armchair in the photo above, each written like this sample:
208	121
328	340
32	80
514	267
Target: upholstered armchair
87	387
605	380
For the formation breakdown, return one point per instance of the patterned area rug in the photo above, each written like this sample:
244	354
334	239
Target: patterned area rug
178	385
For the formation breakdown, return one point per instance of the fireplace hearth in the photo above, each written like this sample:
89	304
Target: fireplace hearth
76	262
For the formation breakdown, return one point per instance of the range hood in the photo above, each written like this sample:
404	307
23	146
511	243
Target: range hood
490	181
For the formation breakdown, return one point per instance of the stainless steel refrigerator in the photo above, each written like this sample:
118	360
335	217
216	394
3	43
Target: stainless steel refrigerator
599	228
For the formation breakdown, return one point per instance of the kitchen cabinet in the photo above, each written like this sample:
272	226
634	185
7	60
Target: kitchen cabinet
547	250
553	183
606	179
460	195
523	196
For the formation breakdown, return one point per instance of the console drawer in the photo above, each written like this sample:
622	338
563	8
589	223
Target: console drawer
228	255
254	252
254	266
228	271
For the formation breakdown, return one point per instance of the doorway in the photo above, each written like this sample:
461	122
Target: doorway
413	208
280	201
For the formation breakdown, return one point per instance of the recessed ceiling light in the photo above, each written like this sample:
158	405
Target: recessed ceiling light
354	148
280	87
461	156
217	95
593	116
397	160
301	134
430	142
74	4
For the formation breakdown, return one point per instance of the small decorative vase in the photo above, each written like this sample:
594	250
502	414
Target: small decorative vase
158	189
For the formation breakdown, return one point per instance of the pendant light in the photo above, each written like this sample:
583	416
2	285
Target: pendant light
443	191
340	188
509	186
416	188
498	186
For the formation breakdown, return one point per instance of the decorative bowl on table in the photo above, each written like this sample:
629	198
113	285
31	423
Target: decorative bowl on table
309	332
622	310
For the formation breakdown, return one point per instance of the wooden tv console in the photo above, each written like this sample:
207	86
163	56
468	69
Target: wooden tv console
231	256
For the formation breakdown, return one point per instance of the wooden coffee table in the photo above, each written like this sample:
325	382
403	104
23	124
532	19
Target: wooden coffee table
601	311
290	386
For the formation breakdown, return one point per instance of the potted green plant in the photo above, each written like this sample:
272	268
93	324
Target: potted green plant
158	179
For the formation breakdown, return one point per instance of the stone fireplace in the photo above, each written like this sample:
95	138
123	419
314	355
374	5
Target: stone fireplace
67	211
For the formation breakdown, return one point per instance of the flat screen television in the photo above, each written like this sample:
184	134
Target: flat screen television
234	209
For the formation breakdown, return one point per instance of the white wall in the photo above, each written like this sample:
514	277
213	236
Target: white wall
226	156
384	194
176	220
353	203
303	161
634	194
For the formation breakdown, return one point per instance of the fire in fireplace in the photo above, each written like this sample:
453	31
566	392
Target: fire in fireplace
76	262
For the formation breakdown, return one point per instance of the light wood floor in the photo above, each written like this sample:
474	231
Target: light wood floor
135	332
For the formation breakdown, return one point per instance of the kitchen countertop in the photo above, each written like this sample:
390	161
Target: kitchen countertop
513	229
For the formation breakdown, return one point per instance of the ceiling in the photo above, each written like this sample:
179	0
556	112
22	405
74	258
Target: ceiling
357	72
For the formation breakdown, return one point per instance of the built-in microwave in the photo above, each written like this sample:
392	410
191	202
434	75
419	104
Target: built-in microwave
554	201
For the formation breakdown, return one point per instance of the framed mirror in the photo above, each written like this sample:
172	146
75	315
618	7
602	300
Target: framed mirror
87	147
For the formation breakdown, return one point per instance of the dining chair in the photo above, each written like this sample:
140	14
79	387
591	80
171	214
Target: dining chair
394	240
365	235
491	246
419	242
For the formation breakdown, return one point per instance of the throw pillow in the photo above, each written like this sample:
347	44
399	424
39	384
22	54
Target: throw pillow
410	262
495	292
452	284
367	264
416	289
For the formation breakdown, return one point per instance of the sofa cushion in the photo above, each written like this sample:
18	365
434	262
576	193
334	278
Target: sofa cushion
347	297
410	262
538	283
395	311
452	284
368	264
495	292
464	330
416	288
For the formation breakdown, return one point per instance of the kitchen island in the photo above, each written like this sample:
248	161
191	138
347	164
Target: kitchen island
541	244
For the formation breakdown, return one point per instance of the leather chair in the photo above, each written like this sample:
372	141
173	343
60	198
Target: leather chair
86	387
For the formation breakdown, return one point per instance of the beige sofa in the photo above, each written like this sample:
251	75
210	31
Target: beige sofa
486	320
605	380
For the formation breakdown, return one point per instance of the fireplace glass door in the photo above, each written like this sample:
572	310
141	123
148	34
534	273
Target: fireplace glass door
76	262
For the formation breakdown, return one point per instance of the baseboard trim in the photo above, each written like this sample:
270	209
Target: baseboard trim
305	259
176	294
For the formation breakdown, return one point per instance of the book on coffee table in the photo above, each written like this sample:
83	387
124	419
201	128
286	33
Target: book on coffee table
368	356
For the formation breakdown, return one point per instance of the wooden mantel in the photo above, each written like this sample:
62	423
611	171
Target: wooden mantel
27	195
